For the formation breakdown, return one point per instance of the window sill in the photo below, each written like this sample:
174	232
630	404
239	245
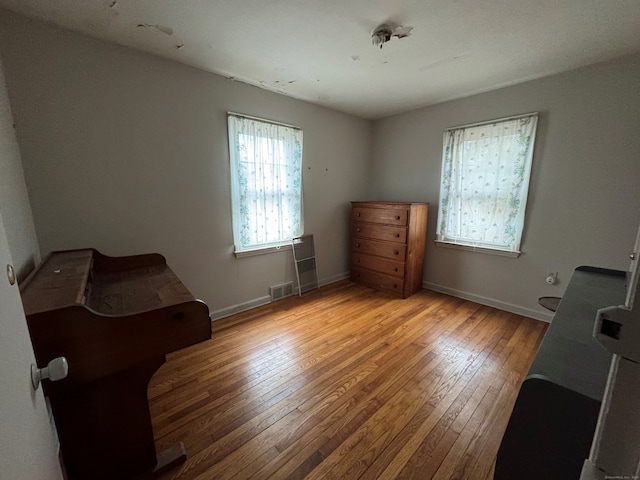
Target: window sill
471	248
262	251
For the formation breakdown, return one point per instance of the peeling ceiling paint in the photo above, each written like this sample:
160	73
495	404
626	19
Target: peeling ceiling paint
159	28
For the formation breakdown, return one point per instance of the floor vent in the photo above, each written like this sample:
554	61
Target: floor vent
280	291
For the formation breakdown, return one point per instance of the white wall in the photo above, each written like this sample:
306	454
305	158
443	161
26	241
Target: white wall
128	153
584	196
14	200
28	447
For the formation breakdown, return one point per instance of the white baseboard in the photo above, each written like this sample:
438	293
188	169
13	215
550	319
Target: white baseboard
241	307
335	278
491	302
257	302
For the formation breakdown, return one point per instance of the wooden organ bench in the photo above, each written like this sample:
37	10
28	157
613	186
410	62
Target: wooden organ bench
114	319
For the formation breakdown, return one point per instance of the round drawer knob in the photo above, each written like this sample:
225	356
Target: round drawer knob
357	229
357	245
358	214
397	235
395	269
397	217
11	275
396	252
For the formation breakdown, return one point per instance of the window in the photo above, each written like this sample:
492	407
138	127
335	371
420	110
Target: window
266	182
485	180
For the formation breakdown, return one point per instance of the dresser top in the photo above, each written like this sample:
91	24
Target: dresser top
377	204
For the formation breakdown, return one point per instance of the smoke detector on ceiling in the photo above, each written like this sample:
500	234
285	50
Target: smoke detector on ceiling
383	33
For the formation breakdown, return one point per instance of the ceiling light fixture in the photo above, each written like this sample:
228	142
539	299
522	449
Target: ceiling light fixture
383	33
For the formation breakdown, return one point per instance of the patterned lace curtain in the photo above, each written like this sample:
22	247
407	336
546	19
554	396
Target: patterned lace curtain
266	182
485	181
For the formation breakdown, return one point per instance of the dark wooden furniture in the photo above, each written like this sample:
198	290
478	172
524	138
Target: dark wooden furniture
553	421
550	303
387	245
114	319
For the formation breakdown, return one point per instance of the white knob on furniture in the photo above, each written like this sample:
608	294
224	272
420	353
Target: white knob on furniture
57	369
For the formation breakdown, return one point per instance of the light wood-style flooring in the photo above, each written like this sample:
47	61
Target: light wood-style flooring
346	383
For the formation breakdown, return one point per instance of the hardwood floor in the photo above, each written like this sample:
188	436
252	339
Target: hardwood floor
346	383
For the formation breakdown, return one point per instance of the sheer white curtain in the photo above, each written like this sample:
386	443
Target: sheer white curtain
266	182
485	181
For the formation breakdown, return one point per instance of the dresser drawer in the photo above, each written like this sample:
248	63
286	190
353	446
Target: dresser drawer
378	264
379	232
378	280
382	249
379	215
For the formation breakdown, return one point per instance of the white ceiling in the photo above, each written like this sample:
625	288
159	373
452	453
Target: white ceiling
321	50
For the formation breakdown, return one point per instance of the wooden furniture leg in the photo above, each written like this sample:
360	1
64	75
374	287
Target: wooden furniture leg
105	427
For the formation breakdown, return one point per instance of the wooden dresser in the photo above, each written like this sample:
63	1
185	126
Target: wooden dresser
387	245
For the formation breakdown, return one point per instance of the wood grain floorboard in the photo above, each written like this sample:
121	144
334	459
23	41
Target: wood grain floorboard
346	383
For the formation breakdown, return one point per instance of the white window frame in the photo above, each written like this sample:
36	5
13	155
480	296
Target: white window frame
453	212
284	158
